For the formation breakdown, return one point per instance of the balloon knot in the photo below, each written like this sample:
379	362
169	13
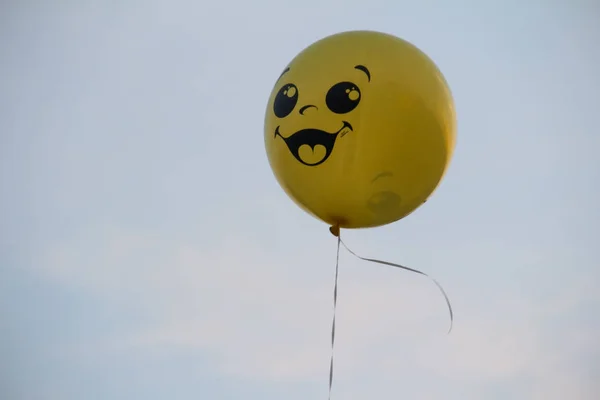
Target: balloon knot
335	230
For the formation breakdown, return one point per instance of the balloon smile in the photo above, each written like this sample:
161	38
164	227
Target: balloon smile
313	146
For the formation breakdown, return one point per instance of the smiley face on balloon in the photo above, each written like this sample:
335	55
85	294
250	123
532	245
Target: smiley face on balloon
360	128
313	146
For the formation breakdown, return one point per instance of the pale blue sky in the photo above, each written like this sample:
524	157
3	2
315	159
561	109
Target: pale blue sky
147	252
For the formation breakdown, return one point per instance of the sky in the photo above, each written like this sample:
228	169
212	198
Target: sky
147	251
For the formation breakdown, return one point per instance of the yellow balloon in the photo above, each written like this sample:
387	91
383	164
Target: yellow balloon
360	128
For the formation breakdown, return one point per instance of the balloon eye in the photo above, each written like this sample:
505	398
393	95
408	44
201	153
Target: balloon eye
285	100
343	97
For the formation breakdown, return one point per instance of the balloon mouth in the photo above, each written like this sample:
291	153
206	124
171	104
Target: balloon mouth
313	147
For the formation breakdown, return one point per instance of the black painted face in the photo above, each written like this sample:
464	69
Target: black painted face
341	98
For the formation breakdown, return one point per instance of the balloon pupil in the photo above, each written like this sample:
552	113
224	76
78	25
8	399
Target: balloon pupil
343	97
285	101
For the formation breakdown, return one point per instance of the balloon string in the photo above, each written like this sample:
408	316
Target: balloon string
416	271
335	231
335	290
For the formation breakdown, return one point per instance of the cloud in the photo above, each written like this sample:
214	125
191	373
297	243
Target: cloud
265	315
